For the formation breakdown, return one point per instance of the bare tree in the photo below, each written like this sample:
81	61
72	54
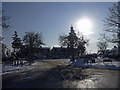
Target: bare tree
102	44
82	43
33	40
3	20
3	25
112	24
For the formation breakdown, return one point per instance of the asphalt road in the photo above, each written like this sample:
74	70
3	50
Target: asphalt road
43	76
33	77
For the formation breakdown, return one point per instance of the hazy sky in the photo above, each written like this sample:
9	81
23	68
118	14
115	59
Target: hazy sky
54	18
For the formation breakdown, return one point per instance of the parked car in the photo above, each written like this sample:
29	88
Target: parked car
107	59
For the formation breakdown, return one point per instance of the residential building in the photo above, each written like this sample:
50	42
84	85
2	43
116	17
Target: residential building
43	52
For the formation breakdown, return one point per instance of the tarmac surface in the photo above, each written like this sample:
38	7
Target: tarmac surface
56	74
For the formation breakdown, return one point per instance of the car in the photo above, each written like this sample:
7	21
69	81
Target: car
106	59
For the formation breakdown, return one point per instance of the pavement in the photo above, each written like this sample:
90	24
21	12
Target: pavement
47	75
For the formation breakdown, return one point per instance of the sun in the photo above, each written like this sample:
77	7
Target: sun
85	25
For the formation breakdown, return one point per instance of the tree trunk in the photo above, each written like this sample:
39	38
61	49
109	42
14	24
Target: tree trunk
30	58
119	40
73	54
119	27
73	58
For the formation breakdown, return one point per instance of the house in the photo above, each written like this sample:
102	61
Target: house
59	52
46	52
43	52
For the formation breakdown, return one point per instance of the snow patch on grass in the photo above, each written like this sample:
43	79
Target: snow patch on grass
98	64
9	68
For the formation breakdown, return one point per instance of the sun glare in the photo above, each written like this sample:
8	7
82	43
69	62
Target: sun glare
84	25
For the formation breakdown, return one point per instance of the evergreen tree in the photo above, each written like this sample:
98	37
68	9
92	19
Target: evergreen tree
16	44
72	39
4	47
75	44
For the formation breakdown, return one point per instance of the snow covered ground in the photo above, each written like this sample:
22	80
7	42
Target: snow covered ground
115	65
8	68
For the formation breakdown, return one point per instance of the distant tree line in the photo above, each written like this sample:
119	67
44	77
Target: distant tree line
27	47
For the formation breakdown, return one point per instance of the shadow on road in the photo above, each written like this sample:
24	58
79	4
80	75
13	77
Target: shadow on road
57	77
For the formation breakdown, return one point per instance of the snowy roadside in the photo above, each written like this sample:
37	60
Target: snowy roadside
8	68
78	62
62	76
115	65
